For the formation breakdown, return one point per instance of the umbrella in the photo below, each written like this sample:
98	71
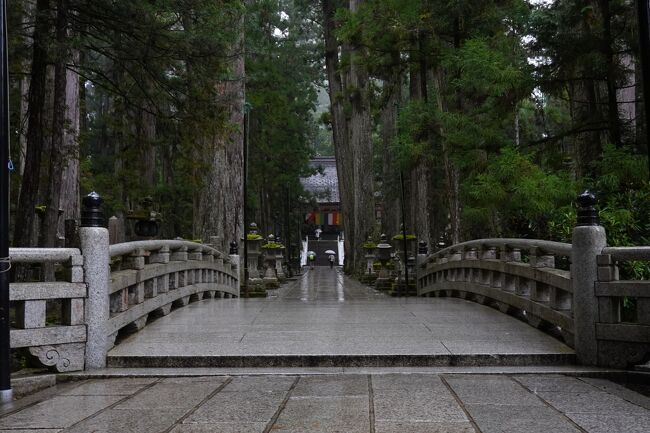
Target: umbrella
330	252
311	253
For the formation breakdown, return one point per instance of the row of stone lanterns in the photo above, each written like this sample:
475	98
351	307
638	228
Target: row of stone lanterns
265	263
393	266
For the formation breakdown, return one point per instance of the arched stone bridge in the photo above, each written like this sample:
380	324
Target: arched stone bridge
570	291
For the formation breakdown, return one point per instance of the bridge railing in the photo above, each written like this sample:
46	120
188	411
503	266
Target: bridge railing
622	336
102	289
570	290
49	315
519	276
150	277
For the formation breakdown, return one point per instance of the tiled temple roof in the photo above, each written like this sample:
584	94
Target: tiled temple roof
325	187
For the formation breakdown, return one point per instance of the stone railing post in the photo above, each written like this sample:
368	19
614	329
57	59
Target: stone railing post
236	263
94	246
589	239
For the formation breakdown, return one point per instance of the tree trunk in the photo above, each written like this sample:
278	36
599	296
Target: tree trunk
360	135
390	181
452	173
613	119
342	151
70	184
221	200
25	212
59	150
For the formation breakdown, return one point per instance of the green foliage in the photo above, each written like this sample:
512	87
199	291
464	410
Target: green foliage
401	236
272	246
514	196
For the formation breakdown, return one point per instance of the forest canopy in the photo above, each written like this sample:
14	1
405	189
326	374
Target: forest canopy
485	118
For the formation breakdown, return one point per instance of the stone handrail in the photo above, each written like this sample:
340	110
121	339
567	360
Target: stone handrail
555	248
148	278
175	244
628	253
517	276
623	336
60	345
588	306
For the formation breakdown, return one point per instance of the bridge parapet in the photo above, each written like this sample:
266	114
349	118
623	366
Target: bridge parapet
150	277
622	333
572	291
93	303
520	277
49	315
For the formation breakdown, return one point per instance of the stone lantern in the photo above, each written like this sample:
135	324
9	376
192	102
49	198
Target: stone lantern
270	256
384	256
254	242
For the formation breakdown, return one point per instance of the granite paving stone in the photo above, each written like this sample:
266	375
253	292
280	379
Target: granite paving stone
407	383
620	391
331	386
57	412
324	414
239	406
40	430
401	403
171	395
221	427
491	390
550	383
496	418
423	427
419	407
260	384
598	402
612	422
129	421
125	386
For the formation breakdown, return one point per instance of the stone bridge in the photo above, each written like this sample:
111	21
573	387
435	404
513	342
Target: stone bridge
106	292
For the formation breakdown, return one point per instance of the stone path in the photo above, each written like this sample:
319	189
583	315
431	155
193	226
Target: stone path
377	403
326	319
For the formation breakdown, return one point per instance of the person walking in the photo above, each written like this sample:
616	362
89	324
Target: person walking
312	259
331	259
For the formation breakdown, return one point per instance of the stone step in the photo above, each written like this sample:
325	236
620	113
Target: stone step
260	361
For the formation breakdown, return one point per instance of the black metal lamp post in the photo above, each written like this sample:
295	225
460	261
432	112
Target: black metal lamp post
5	264
643	16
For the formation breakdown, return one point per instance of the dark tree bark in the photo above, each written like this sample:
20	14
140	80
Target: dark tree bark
220	203
360	130
29	192
390	175
344	159
48	235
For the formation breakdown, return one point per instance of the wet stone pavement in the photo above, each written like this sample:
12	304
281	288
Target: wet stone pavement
345	403
325	319
325	314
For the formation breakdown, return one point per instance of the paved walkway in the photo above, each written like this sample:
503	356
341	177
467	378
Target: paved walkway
327	319
388	403
324	313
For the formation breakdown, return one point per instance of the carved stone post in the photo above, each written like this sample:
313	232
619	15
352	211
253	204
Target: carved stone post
236	264
94	246
589	239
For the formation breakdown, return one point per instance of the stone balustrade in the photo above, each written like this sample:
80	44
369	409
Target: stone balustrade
56	338
517	276
148	278
622	338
